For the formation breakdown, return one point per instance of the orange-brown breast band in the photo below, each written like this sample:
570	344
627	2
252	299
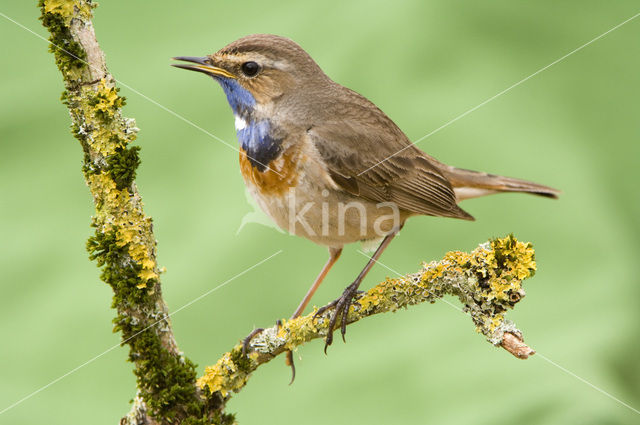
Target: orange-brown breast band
281	174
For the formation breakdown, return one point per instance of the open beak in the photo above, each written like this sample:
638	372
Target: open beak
201	65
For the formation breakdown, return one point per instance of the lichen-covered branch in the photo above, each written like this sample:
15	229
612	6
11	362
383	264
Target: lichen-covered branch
487	281
123	244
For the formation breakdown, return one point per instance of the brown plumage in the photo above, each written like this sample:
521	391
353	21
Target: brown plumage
351	151
305	139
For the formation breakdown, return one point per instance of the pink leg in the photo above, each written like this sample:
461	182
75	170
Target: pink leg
334	254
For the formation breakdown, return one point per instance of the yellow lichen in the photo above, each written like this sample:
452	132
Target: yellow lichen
496	321
297	331
60	7
108	100
118	212
97	113
68	9
435	271
499	290
370	299
224	376
101	139
504	266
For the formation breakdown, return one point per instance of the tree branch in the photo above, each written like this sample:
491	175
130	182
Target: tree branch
487	282
123	244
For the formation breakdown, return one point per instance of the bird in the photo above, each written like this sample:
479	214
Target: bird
327	164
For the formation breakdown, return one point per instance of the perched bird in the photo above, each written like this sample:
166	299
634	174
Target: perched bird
325	163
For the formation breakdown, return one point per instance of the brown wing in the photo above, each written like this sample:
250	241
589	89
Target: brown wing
355	135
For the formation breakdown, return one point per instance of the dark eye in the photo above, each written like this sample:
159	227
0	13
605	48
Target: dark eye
250	68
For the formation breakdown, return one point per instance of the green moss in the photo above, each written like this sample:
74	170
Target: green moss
122	166
118	269
166	382
244	363
224	419
69	54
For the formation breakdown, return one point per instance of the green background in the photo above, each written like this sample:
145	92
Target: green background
574	126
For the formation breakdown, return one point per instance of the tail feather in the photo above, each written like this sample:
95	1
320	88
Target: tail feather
471	184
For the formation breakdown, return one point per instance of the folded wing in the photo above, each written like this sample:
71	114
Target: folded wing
368	156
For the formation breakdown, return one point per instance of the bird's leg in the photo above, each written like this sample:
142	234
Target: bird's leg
343	303
334	254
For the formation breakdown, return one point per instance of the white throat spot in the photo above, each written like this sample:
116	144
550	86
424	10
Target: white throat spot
240	123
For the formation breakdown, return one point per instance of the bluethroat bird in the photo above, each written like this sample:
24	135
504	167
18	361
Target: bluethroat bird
325	163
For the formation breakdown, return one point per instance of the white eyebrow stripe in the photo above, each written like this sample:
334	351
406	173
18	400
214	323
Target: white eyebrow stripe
282	65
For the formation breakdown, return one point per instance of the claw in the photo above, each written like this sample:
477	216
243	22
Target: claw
247	340
289	359
322	309
289	362
341	305
328	341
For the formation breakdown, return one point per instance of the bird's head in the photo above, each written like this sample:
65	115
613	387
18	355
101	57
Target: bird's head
257	70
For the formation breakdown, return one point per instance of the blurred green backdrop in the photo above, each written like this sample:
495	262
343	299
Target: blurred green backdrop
574	126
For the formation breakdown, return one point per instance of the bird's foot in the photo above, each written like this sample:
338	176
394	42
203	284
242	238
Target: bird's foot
341	309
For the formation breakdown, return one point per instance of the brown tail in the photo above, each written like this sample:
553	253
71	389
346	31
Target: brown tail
471	184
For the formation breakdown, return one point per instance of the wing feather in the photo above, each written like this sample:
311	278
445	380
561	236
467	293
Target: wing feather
355	135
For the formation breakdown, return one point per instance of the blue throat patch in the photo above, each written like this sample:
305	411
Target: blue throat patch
261	147
256	139
240	99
